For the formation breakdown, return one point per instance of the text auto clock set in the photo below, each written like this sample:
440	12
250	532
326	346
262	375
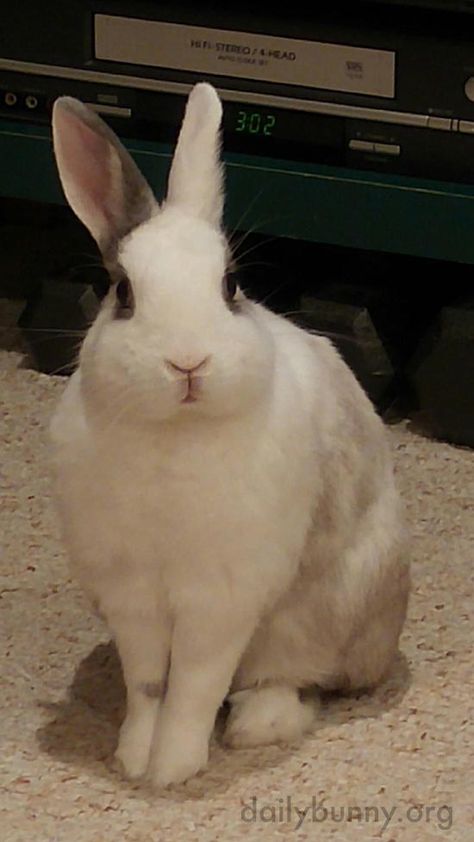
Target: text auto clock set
341	123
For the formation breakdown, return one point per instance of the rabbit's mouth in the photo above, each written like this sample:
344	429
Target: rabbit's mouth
194	385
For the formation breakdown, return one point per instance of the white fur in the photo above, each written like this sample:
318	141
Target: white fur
267	715
254	536
192	186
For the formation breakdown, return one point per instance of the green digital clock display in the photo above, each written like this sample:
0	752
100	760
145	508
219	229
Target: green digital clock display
255	123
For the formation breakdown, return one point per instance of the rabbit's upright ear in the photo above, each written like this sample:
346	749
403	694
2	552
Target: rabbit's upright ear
196	176
101	182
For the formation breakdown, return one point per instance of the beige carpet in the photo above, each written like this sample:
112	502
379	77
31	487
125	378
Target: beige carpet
394	766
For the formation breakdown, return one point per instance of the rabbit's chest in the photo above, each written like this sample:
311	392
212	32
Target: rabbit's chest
184	530
195	509
185	501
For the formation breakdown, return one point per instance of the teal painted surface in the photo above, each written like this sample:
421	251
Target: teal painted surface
317	203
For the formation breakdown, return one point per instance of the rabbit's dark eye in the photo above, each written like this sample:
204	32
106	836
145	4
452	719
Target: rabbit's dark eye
229	287
125	302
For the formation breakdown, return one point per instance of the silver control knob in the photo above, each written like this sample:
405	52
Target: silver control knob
469	88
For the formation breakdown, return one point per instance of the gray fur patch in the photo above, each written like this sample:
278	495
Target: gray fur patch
135	202
152	689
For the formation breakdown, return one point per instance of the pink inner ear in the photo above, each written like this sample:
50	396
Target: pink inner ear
85	168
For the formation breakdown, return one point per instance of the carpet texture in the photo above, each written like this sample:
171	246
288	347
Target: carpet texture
396	765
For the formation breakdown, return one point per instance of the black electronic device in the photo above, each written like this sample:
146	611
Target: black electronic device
374	85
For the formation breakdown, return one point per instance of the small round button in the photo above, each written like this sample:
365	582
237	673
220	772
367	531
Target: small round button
469	88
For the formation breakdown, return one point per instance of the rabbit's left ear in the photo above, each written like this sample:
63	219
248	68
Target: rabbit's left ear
102	183
196	177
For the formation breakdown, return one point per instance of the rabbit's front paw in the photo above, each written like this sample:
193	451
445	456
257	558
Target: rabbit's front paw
133	750
176	763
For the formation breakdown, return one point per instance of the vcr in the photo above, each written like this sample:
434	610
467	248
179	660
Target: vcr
386	87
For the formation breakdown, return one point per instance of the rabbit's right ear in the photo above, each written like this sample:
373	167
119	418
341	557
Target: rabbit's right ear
196	177
102	183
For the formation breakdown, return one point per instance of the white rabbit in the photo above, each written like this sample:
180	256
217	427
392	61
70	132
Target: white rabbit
225	486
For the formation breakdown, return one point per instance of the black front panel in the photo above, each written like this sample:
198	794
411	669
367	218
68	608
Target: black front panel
434	59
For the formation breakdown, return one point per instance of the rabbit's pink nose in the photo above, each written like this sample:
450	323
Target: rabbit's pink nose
189	368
